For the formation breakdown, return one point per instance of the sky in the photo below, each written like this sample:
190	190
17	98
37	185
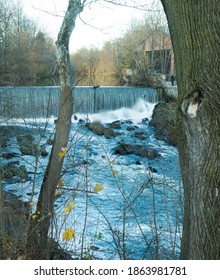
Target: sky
100	22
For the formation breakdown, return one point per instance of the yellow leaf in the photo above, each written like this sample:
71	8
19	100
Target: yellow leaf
98	187
33	217
67	210
114	172
63	153
68	234
69	207
71	204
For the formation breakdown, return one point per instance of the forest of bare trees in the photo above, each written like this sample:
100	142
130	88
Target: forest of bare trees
27	53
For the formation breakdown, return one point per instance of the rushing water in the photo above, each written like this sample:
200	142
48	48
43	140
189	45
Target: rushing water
35	102
137	214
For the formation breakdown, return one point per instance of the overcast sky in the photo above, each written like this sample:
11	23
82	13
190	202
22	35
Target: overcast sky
103	22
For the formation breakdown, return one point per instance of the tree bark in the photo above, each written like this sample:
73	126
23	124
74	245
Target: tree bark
195	32
38	233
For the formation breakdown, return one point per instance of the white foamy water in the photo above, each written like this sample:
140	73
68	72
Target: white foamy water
141	109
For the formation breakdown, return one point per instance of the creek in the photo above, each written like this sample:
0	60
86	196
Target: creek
137	212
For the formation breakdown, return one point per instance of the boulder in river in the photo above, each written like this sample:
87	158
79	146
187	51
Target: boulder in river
138	150
164	122
99	129
140	135
12	172
27	147
115	125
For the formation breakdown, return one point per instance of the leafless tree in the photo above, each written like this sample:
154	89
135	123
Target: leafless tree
38	232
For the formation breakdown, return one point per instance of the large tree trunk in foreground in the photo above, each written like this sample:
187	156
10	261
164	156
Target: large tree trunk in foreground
195	32
38	234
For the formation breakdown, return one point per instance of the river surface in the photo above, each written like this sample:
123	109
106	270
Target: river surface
137	212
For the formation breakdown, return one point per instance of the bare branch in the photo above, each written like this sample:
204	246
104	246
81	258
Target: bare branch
94	27
46	12
133	5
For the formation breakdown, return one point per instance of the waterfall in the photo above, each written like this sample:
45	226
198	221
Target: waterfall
35	102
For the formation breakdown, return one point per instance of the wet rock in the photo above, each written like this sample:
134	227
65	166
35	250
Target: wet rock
115	125
100	129
94	248
147	153
164	121
96	127
26	145
26	137
124	149
145	121
110	133
3	141
130	128
128	121
43	151
9	155
140	135
15	130
14	173
81	121
138	150
31	193
152	169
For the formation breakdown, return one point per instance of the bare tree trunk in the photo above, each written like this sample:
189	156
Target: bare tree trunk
195	32
38	233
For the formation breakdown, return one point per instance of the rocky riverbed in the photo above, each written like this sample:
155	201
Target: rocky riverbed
118	154
27	140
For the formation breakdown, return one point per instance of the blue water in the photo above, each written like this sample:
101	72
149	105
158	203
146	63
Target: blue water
137	215
36	102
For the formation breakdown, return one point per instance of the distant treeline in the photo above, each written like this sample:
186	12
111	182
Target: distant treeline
124	60
27	54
